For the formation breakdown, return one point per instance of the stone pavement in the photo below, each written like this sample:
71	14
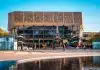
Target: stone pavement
25	56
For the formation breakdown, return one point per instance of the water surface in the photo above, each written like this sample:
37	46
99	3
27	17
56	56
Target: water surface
7	65
76	63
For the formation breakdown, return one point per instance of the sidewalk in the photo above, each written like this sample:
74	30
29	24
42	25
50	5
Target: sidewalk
25	56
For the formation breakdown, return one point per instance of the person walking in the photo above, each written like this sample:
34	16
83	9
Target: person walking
44	45
63	46
84	47
53	46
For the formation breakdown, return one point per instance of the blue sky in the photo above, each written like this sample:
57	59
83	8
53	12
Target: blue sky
89	8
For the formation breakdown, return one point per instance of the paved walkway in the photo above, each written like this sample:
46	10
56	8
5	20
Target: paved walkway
25	56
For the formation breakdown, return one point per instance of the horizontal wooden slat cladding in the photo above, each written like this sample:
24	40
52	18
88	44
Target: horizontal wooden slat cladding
68	17
18	16
60	17
37	24
78	17
21	18
38	16
55	17
28	17
48	17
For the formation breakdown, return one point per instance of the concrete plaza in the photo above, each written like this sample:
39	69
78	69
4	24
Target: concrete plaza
26	56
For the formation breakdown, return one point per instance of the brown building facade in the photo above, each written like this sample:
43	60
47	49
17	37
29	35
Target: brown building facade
42	26
20	18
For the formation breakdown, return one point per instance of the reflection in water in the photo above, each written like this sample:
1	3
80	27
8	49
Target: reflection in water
6	65
78	63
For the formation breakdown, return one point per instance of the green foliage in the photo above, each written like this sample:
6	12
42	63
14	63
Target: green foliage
95	37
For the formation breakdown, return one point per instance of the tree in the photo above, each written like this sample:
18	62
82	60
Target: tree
3	33
97	36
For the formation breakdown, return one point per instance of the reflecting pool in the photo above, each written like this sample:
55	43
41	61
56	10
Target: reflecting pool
7	65
76	63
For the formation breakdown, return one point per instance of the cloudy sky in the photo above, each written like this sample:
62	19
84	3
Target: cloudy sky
89	8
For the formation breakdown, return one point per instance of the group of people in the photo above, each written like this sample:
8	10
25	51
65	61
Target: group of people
62	44
66	45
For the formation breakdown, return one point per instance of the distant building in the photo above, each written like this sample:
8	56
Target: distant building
96	44
35	28
6	43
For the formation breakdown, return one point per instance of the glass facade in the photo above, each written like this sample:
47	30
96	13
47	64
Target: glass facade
43	34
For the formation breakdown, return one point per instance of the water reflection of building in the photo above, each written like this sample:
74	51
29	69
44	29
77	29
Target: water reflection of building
53	64
79	63
91	63
70	64
39	27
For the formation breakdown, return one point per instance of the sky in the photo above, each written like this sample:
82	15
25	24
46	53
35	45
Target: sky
90	10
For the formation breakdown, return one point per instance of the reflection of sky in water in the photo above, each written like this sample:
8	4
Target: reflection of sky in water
81	63
5	65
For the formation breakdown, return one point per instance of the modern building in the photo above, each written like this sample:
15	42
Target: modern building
6	43
35	28
96	43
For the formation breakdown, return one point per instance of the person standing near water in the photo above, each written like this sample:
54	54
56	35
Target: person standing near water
44	45
53	46
63	45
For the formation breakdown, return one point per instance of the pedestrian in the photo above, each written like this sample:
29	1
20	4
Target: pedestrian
44	45
66	45
84	47
53	46
33	46
63	46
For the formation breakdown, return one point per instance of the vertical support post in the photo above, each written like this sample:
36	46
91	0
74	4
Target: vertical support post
53	17
43	16
73	17
33	38
39	43
14	40
39	65
63	18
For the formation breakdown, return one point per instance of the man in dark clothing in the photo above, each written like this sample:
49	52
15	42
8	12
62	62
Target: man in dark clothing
63	46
